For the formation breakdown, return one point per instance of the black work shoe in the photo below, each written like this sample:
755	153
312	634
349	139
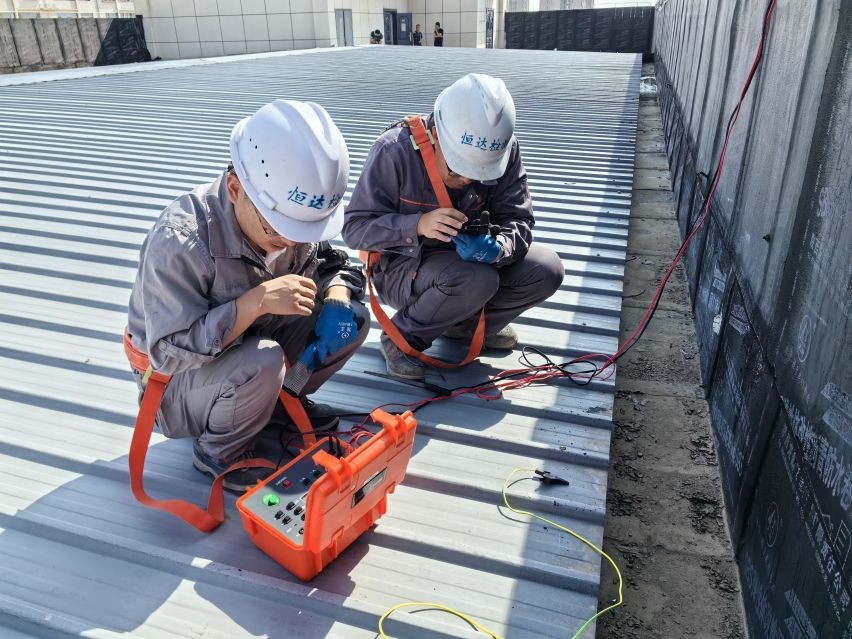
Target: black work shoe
237	481
322	416
504	340
399	364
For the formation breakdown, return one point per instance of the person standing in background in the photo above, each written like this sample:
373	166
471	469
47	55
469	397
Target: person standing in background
438	34
417	36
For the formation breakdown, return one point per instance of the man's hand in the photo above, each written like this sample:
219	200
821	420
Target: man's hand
335	328
441	224
288	295
477	248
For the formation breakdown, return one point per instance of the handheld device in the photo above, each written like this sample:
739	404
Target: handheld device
481	225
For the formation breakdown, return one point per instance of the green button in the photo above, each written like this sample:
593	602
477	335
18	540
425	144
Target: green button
270	499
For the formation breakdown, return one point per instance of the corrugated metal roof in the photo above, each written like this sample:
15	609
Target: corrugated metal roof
86	164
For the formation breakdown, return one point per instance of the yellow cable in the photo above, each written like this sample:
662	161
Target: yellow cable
518	511
435	606
577	536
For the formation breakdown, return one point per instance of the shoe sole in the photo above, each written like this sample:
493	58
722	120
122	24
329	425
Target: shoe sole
408	378
204	469
500	347
493	347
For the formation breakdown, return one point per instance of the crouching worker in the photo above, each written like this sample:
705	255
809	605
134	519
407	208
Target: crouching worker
419	203
238	275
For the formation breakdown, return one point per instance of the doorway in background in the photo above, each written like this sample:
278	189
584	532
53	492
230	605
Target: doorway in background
390	26
345	35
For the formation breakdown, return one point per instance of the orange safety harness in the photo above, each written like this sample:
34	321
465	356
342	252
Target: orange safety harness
155	387
155	382
423	143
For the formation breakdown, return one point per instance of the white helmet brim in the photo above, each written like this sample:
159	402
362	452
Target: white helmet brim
478	172
289	227
475	119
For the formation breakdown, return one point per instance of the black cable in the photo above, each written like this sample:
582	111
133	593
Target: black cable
335	444
586	375
531	369
578	377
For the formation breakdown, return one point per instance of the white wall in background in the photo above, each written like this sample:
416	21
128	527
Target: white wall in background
66	9
201	28
561	5
463	21
368	15
606	4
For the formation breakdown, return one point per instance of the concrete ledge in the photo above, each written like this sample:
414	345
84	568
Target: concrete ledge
90	72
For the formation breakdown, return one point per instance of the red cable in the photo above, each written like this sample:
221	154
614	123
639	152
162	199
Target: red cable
537	374
705	214
544	373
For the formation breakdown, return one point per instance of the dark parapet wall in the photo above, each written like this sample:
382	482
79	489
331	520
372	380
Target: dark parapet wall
123	41
627	30
787	552
771	283
39	44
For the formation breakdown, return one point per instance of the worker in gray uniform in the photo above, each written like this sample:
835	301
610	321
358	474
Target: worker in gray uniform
432	267
238	274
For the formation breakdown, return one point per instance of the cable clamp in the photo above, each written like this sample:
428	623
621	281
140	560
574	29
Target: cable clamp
546	477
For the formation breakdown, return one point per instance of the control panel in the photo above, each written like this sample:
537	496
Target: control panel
282	501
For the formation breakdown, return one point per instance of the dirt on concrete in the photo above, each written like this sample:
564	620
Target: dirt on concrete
665	524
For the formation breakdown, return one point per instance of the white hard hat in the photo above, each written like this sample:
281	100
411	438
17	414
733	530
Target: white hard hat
475	118
293	163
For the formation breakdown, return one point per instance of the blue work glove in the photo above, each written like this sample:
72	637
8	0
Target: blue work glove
308	358
335	328
477	248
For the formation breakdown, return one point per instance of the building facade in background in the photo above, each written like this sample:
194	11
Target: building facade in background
181	29
548	5
185	29
67	8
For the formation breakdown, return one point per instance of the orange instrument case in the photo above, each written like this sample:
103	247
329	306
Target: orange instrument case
305	514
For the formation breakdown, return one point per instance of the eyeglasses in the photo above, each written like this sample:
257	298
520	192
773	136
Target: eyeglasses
452	173
269	232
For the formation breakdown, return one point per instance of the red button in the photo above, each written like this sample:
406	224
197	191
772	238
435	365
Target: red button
286	483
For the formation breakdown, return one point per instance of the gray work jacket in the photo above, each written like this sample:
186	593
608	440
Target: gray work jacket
394	189
195	263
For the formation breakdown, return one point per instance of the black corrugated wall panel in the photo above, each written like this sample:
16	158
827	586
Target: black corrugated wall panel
771	280
613	30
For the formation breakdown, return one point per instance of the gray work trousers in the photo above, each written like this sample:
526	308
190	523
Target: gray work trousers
226	403
448	291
